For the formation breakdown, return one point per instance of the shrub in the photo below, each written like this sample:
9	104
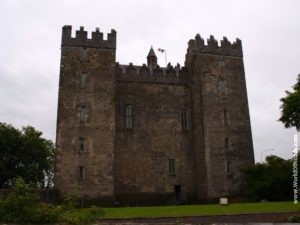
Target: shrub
20	206
271	180
83	216
23	206
293	219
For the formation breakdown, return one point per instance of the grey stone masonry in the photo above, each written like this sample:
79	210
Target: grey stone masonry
145	134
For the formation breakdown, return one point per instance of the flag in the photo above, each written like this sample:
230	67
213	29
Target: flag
161	50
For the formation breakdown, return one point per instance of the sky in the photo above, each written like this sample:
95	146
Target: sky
30	52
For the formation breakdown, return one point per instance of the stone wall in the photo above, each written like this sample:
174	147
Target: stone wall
155	75
86	118
106	160
142	153
220	90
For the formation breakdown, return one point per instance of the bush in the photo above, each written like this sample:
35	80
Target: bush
271	180
293	219
83	216
23	206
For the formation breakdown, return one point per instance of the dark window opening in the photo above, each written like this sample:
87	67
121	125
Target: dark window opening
225	118
229	167
81	144
184	121
226	143
81	172
177	192
172	168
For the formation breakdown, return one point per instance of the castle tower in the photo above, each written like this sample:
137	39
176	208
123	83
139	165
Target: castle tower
222	139
86	114
151	58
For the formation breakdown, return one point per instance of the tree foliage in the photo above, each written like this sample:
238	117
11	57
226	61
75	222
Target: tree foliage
272	180
23	206
290	108
24	153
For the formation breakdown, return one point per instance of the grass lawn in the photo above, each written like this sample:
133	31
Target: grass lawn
197	210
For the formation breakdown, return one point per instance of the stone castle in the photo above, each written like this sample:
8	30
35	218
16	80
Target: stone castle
149	134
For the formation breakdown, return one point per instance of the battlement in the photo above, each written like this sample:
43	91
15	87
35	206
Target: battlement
81	39
212	46
148	74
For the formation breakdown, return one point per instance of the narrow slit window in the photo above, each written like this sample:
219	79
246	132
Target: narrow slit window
129	117
226	143
81	144
172	167
225	119
82	114
83	80
81	172
184	121
229	167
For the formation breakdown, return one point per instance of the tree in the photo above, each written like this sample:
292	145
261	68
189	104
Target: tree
290	108
271	180
24	153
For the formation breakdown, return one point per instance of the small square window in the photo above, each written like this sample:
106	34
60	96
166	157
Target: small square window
84	54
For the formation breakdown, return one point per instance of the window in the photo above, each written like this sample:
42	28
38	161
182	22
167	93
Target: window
226	143
84	54
225	121
184	121
81	144
129	117
229	167
81	172
172	166
82	114
83	80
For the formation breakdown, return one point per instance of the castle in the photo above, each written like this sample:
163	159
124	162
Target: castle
149	134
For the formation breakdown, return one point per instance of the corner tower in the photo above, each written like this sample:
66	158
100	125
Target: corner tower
86	114
222	139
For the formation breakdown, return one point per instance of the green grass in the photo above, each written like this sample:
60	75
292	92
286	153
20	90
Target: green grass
197	210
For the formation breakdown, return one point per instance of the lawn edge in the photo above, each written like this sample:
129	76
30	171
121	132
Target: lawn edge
208	215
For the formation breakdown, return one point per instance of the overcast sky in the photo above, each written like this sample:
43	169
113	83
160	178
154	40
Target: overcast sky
30	51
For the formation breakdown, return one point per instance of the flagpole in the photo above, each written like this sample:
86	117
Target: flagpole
166	58
164	51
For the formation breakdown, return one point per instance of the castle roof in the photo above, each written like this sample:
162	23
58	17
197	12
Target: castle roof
151	53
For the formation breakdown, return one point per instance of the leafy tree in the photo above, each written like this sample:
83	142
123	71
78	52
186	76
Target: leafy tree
290	108
271	180
24	153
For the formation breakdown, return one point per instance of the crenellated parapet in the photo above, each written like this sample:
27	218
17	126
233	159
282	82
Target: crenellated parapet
212	46
147	74
81	38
